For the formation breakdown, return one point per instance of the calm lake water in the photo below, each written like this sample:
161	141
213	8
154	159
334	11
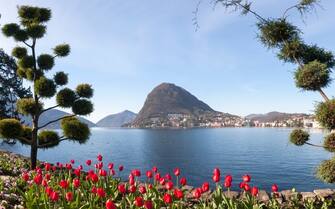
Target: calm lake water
264	153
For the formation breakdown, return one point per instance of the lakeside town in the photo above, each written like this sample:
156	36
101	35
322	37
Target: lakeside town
219	120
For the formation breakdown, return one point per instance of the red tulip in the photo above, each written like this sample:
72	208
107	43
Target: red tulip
122	188
216	178
94	190
72	161
227	184
169	185
241	185
162	181
64	184
131	179
99	165
154	169
148	204
68	166
110	204
94	178
229	178
254	191
216	171
149	174
176	171
136	172
110	166
274	188
54	196
47	166
80	167
25	176
246	178
44	183
197	193
167	198
168	177
157	176
48	191
60	165
150	186
112	172
121	168
246	187
101	192
132	189
183	181
178	193
99	157
53	168
47	176
139	202
38	179
76	172
205	187
88	162
76	183
69	196
142	189
103	172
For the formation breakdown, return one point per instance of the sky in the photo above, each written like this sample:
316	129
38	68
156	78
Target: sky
126	48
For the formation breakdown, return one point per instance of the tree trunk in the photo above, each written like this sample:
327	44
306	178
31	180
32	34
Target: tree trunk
33	150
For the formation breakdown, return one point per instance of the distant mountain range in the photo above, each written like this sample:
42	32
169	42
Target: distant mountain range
274	116
52	115
117	120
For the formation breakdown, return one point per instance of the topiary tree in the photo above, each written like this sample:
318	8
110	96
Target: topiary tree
33	68
314	66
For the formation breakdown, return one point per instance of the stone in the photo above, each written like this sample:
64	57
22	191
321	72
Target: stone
231	194
288	194
324	193
263	196
187	187
308	195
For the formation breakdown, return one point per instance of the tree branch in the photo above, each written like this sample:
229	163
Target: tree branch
27	44
58	119
323	94
49	109
25	140
51	143
314	145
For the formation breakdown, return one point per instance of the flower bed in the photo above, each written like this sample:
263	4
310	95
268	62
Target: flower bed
68	186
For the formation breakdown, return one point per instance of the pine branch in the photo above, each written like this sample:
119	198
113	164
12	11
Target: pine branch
51	143
58	119
49	109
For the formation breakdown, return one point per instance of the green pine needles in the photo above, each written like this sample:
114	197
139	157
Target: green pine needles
33	67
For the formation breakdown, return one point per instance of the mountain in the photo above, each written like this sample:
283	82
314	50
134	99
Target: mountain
168	99
273	116
52	115
117	120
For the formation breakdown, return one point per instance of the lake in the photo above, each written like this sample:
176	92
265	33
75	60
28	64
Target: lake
264	153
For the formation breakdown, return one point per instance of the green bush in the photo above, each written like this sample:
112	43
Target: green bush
84	90
82	107
75	130
45	87
45	61
312	76
10	128
325	114
62	50
61	78
66	97
48	139
299	137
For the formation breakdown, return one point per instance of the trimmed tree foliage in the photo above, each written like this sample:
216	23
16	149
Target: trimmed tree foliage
313	72
33	68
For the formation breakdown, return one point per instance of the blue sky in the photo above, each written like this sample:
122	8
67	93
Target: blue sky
126	48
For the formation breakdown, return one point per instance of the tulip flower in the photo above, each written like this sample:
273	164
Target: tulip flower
69	196
183	181
110	166
94	178
99	165
176	171
72	161
47	166
132	189
101	192
99	157
246	178
241	185
246	187
169	185
197	193
64	184
167	198
136	172
168	177
216	171
229	178
25	176
150	186
94	190
254	191
148	204
121	168
205	187
154	169
110	205
112	172
216	178
88	162
38	179
47	176
102	172
139	202
48	191
162	181
157	176
76	183
142	189
178	193
54	196
149	174
68	166
44	183
122	188
76	172
227	184
274	188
